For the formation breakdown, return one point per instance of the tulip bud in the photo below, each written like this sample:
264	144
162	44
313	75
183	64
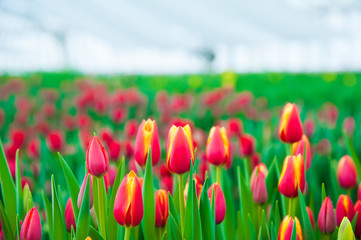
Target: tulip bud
180	149
359	191
114	150
82	189
290	127
147	136
69	216
161	208
97	161
128	205
31	227
247	145
357	209
326	217
218	150
130	128
309	127
292	176
345	231
346	172
55	141
348	125
344	208
234	127
219	202
258	184
312	218
300	147
199	187
286	229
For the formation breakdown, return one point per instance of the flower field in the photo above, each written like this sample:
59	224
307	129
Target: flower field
229	156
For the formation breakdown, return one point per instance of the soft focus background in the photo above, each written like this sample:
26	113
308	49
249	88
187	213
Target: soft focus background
180	36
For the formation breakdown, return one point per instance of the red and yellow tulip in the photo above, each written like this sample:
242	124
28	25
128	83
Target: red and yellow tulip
97	161
344	208
346	172
161	208
218	149
292	176
286	229
290	127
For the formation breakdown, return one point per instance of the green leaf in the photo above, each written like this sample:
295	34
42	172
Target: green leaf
354	220
263	232
19	191
94	235
58	216
173	229
172	210
83	222
8	190
100	204
307	226
208	224
323	193
49	214
148	222
112	223
273	232
251	228
228	225
72	183
8	233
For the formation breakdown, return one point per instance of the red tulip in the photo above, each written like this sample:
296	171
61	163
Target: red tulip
166	182
31	227
97	161
130	128
147	136
258	184
82	189
199	187
292	176
32	149
309	127
324	147
247	145
128	205
312	218
348	125
359	191
346	172
69	216
300	147
180	149
357	209
17	137
286	229
290	127
344	208
55	141
114	150
218	149
219	202
234	127
326	217
161	208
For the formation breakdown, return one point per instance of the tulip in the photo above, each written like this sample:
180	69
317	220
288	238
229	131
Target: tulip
344	208
234	127
348	125
33	148
97	161
180	149
345	231
346	172
286	229
219	202
303	146
258	184
218	149
247	145
309	127
161	208
128	205
292	176
147	136
357	209
82	189
31	227
324	147
55	141
69	216
312	218
114	150
326	217
130	128
290	127
199	187
359	191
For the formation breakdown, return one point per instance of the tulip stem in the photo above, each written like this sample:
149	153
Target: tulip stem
101	202
127	233
219	170
349	192
181	202
290	207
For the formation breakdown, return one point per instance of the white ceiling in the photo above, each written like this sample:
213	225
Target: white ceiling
162	36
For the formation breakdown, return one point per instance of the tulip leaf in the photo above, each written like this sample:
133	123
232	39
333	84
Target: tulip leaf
323	193
354	220
94	234
72	183
148	222
112	223
58	217
48	212
252	230
263	231
172	209
18	227
206	214
174	230
8	233
100	204
8	190
345	230
273	232
82	224
307	226
19	192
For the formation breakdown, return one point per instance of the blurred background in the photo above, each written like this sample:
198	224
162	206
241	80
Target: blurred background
158	37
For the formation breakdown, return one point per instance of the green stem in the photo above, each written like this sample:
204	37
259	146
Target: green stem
349	192
259	216
127	233
219	170
101	208
181	201
290	207
327	236
291	150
